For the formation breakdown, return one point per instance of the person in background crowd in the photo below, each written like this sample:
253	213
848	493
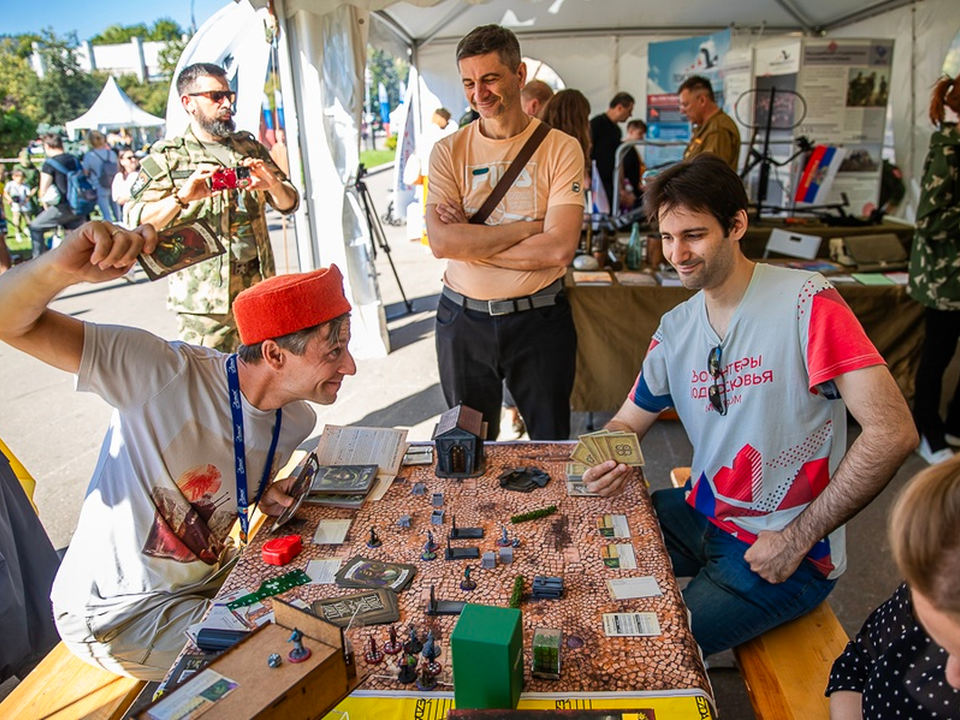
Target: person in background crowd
605	136
5	261
569	111
715	132
123	181
176	186
53	194
905	661
534	98
934	278
101	166
19	196
761	365
631	190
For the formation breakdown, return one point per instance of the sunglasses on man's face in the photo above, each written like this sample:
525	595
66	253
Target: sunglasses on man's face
718	391
216	96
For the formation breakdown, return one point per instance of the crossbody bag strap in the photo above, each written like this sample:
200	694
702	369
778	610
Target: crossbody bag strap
510	176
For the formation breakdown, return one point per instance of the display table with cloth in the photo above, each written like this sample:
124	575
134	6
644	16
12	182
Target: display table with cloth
754	242
616	322
663	673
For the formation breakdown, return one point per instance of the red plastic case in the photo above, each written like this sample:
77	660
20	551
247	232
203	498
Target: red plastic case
281	550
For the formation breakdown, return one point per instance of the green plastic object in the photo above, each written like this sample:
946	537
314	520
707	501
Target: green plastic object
635	249
486	648
546	653
271	587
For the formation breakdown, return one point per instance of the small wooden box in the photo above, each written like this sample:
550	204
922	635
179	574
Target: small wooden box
309	689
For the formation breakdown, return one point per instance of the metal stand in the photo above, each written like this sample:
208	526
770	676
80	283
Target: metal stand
377	236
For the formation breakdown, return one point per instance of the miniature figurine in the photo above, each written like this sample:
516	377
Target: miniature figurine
374	541
373	655
413	645
274	660
426	680
430	649
393	646
504	541
299	652
408	669
431	541
467	584
428	553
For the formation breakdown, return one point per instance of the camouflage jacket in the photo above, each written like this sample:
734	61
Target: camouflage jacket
238	215
935	257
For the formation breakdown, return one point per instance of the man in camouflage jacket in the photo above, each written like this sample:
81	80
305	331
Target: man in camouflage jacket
174	187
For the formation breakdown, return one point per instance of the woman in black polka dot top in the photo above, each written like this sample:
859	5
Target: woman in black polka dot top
905	661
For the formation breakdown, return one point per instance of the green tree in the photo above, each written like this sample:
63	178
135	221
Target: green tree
18	81
170	56
16	130
386	69
65	91
163	29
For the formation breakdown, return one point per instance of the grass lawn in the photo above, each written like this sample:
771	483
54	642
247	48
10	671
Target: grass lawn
372	158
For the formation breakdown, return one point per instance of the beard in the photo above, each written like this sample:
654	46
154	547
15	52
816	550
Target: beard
218	126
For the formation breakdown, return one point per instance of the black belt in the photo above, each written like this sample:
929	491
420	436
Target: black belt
542	298
245	268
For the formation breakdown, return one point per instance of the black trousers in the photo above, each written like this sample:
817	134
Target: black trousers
535	351
939	346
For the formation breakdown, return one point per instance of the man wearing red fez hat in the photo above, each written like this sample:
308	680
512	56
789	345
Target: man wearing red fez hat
194	443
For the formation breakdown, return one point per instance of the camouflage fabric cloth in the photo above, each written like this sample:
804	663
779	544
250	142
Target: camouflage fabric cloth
935	256
217	330
207	288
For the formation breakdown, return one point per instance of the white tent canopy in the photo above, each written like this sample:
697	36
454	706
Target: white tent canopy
113	110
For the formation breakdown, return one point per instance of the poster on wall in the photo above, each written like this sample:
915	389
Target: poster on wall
772	105
670	63
846	85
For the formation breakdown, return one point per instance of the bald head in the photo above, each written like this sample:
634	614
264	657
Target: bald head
534	97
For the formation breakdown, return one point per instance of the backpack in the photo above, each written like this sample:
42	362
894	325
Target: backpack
108	168
81	194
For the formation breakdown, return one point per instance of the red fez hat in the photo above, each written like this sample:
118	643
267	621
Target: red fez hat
287	303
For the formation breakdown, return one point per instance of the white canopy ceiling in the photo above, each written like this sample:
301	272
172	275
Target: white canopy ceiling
454	18
113	110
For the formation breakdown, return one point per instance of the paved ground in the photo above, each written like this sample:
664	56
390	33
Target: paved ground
56	432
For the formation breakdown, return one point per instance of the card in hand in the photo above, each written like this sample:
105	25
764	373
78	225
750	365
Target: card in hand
180	246
344	479
299	490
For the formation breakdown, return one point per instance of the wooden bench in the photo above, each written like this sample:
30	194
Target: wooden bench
786	669
63	687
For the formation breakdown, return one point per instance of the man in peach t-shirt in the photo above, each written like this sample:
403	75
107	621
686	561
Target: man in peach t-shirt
503	314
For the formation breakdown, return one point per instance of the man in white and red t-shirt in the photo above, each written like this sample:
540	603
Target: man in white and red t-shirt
761	366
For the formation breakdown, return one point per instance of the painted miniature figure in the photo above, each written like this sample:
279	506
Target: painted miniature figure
299	652
408	669
393	646
467	584
373	656
374	541
413	645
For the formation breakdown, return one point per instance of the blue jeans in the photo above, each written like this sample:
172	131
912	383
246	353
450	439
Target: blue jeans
728	602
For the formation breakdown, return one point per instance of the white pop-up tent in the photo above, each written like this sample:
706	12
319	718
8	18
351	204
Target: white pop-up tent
113	110
596	46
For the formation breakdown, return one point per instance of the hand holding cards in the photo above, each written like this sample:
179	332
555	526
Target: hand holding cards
594	448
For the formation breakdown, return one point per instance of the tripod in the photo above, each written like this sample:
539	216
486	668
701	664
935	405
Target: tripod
377	236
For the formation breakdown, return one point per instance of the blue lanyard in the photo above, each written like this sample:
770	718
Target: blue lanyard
239	451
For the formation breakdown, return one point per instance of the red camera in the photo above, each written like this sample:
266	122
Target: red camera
230	178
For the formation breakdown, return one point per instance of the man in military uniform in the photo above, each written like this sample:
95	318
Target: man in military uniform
715	132
175	187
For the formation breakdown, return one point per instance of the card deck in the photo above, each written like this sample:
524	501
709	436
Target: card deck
299	491
594	448
343	479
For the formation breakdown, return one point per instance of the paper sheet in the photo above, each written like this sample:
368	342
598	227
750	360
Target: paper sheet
636	587
322	572
331	532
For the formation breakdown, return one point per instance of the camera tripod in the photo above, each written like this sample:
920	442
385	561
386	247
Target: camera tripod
377	236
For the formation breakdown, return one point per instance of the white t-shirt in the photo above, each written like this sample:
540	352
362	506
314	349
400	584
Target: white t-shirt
760	465
163	496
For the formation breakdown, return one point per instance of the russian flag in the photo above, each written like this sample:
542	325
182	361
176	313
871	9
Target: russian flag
818	174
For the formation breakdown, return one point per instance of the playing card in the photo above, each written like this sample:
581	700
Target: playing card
622	447
180	246
299	491
582	455
360	572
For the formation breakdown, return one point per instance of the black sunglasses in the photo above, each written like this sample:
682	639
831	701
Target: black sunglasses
718	391
216	96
